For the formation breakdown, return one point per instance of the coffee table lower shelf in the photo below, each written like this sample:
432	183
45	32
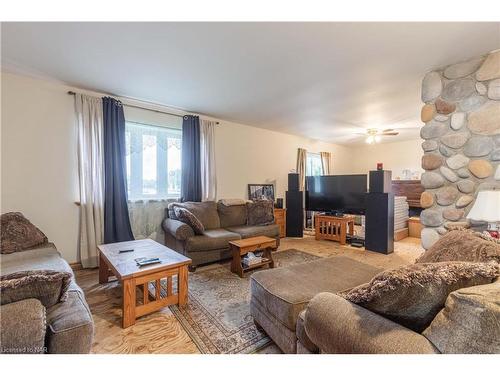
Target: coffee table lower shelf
257	265
240	248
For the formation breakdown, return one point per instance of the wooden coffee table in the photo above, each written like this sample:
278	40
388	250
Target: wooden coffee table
148	278
240	248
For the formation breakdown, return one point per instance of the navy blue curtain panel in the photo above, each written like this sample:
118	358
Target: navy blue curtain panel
191	165
116	220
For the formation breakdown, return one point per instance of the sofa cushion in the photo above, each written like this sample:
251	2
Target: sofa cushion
260	212
23	327
46	258
49	287
272	288
464	246
469	322
206	212
190	219
246	231
231	216
18	233
70	325
413	295
211	239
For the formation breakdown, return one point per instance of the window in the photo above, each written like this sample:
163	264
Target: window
153	157
313	165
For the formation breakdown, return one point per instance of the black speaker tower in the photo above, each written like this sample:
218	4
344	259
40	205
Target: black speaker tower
293	182
294	207
379	219
380	181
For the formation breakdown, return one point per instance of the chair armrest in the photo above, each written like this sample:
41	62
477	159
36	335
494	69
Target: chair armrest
23	327
181	231
336	325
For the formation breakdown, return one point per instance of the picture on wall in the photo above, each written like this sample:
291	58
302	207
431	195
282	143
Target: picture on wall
261	191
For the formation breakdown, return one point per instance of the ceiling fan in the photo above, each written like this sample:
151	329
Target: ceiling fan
375	135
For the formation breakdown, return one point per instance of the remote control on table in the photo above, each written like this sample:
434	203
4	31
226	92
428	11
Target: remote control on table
147	261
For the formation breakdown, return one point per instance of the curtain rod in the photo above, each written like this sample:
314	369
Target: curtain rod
147	109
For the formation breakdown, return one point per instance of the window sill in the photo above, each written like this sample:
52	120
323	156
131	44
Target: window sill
143	200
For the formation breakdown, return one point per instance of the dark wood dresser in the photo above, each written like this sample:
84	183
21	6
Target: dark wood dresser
411	189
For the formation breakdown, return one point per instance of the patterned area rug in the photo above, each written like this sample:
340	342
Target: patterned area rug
217	316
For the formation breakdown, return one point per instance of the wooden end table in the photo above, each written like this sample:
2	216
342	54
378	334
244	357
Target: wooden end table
148	278
240	248
333	228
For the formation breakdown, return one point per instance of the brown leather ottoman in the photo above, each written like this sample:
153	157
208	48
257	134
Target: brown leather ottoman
279	295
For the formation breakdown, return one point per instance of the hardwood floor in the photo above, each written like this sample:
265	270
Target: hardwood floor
160	332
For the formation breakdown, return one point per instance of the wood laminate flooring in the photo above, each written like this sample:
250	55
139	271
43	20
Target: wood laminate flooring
160	332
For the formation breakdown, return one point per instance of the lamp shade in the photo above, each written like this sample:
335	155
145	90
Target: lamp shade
486	207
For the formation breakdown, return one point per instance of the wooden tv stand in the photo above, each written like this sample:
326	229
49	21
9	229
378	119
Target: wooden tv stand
334	228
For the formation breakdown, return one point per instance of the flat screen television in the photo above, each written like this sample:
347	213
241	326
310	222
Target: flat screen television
342	193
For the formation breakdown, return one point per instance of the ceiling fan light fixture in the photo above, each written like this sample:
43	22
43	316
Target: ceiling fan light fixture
378	138
370	139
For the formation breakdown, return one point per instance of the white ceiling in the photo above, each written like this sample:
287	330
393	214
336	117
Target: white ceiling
319	80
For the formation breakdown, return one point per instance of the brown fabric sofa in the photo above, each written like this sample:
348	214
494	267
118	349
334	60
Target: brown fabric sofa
222	224
300	310
335	325
467	323
279	295
28	327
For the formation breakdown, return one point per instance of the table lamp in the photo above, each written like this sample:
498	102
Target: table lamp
487	208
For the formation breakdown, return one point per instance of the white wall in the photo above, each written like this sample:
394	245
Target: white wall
39	160
39	157
248	155
396	157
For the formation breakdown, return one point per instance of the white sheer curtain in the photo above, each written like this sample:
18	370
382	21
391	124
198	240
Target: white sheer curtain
91	176
301	168
207	154
326	163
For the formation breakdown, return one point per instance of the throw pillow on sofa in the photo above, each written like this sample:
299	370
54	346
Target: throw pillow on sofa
205	212
413	295
463	246
187	217
19	234
260	212
49	287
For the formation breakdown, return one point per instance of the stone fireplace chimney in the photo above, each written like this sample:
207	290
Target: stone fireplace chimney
461	141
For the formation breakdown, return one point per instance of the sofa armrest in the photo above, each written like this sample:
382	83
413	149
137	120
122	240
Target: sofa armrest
23	327
336	325
181	231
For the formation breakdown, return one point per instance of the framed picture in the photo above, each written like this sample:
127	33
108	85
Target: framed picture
261	191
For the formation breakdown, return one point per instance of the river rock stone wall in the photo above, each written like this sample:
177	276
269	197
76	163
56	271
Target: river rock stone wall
461	142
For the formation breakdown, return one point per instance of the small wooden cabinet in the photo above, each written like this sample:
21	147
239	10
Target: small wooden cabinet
414	226
280	219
